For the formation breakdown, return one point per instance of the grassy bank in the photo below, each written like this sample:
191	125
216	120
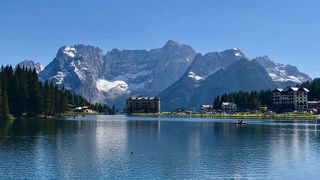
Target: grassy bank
257	115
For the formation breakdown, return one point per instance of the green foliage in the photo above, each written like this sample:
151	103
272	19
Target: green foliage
4	108
21	94
105	109
314	88
254	100
246	100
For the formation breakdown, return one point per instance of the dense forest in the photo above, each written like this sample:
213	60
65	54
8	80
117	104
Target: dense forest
314	88
253	100
245	100
22	94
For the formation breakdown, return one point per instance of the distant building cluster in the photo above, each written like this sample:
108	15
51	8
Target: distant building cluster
226	107
143	105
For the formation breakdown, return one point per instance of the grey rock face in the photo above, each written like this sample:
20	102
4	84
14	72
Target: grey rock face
148	72
241	75
202	67
112	77
77	68
175	72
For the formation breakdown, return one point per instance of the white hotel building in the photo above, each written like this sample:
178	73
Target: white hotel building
292	98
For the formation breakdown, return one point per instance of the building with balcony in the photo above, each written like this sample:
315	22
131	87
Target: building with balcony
143	105
290	99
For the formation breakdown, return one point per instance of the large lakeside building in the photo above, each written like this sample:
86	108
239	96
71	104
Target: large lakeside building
291	98
143	105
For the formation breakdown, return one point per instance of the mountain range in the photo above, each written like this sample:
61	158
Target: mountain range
174	72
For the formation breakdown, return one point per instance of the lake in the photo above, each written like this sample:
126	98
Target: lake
120	147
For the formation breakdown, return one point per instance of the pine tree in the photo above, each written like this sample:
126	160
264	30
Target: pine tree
4	108
48	99
35	97
63	101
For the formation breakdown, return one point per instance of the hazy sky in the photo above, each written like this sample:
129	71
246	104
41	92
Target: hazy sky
288	31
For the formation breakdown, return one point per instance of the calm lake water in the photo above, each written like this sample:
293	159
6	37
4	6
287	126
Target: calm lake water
120	147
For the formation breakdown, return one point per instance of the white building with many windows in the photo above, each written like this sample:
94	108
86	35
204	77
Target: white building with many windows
229	107
291	98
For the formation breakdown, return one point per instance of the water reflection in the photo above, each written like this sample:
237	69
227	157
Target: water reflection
126	147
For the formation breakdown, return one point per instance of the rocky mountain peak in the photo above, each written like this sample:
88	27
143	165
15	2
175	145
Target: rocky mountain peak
171	43
176	48
233	52
282	75
29	64
173	71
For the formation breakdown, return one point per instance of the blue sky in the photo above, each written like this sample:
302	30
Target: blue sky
288	31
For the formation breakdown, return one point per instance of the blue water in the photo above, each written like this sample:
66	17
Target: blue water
120	147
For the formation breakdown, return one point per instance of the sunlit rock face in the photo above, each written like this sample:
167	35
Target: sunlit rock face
112	77
174	72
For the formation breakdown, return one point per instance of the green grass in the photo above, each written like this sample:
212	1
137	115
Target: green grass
242	115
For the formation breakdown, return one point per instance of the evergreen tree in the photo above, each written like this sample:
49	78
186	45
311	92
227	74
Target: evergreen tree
246	100
21	94
4	108
35	97
48	102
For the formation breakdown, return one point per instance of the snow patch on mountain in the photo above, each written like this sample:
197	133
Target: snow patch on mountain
70	51
59	78
106	86
282	73
193	76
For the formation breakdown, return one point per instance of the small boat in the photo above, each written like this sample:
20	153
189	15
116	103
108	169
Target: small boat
239	122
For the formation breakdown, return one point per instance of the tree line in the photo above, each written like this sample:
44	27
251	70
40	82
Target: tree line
245	100
22	94
103	108
314	88
255	99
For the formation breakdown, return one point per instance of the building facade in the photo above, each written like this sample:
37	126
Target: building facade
291	98
313	105
206	108
143	105
229	107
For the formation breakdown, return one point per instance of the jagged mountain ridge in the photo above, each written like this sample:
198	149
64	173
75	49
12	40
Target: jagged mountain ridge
149	72
76	68
118	74
201	68
283	75
242	74
29	64
112	77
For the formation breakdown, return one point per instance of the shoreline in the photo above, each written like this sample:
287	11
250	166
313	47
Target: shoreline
248	116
